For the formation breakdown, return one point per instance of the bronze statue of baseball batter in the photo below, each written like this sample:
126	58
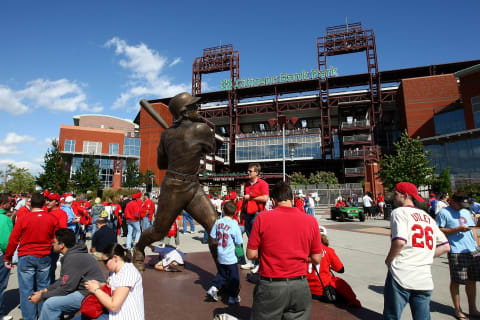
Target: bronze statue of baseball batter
179	152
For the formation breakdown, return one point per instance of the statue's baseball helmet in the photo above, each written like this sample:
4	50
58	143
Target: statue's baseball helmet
179	103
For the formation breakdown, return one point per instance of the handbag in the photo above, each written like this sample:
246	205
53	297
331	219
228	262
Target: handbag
91	307
329	292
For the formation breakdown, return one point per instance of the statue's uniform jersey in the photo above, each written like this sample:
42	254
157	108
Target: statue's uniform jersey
411	268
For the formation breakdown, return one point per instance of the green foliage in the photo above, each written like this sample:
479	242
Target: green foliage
442	183
55	172
113	193
409	163
19	180
322	177
86	177
145	178
132	174
473	190
298	178
319	177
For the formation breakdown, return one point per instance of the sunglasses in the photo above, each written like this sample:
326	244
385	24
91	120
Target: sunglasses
106	261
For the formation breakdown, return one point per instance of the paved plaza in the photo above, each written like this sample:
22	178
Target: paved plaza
362	247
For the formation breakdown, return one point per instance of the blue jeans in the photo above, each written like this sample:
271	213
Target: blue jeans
249	220
33	275
133	227
53	265
4	274
146	223
53	307
396	297
94	225
311	211
187	218
228	273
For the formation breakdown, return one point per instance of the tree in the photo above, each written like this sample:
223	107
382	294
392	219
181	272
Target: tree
132	174
322	177
146	178
86	177
442	183
409	163
17	180
298	178
55	171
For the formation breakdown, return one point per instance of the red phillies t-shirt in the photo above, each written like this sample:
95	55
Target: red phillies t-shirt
61	216
329	260
35	232
22	211
132	211
148	205
285	238
260	188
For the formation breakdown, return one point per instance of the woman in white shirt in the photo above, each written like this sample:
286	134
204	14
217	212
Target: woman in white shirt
126	301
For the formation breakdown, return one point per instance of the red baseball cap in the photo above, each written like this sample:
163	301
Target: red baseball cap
53	196
408	188
232	195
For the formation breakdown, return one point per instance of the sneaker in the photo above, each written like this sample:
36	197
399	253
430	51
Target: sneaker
255	269
247	266
234	300
213	293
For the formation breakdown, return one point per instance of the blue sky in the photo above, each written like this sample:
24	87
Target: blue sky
63	58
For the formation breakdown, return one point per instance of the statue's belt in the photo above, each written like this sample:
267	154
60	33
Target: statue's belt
182	176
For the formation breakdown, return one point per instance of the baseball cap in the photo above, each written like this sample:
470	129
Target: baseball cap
232	195
408	188
473	199
98	200
69	199
432	194
323	230
461	198
53	196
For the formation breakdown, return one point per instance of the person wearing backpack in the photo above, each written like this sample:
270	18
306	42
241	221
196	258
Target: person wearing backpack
96	212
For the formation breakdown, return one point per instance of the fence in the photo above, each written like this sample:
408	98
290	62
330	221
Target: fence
326	195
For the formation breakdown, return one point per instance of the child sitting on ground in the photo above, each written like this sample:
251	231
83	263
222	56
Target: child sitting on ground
227	232
169	259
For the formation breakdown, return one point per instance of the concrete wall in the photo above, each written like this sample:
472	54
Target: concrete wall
97	121
420	96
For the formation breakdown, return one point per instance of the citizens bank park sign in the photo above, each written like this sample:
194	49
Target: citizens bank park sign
283	77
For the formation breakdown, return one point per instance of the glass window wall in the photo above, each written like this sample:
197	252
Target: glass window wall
69	146
113	148
131	147
449	122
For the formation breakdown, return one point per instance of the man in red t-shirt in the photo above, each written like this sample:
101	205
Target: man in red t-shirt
133	217
148	211
35	232
284	256
254	200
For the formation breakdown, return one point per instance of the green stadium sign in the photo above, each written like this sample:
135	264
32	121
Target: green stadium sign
283	77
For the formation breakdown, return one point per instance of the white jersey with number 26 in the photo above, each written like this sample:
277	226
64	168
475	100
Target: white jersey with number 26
411	268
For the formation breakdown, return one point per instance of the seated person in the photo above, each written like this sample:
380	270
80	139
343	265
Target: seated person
340	203
330	260
349	202
169	259
102	238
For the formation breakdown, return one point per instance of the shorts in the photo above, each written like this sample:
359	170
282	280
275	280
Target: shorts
464	266
381	204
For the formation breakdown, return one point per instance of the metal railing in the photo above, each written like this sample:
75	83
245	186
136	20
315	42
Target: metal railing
355	124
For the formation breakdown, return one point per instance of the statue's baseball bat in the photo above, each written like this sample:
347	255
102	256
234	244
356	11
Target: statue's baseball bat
155	115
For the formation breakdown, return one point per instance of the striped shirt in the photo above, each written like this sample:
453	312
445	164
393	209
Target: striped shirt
132	307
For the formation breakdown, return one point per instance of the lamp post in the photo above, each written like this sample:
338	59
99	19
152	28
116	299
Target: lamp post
282	120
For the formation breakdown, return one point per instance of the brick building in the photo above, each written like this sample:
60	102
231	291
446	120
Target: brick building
109	139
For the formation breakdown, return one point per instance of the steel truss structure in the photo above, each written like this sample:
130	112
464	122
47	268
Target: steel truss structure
358	119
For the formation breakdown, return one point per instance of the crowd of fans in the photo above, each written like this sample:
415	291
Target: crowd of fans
37	230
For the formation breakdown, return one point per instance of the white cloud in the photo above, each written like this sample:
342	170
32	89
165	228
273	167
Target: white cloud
10	103
58	95
146	66
10	144
49	140
175	61
34	168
